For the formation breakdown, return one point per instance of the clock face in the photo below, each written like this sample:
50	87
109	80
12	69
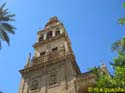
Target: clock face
35	85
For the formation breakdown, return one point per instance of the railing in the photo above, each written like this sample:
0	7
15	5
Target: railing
53	56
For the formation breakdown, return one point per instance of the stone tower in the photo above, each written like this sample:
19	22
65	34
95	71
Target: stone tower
53	67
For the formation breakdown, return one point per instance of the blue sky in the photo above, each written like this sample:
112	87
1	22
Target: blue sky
91	25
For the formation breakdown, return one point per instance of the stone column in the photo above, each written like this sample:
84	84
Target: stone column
53	33
44	36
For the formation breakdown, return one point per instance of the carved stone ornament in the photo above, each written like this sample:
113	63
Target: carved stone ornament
34	85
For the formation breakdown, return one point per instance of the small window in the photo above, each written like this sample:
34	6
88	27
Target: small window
49	34
57	32
42	53
41	38
55	49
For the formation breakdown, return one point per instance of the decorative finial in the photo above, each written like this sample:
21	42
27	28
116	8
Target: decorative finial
103	65
52	20
28	60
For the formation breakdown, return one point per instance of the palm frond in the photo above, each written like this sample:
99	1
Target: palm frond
4	36
2	19
7	27
7	18
4	12
11	15
5	15
2	6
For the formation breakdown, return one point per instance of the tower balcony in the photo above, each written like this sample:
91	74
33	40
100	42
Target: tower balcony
51	57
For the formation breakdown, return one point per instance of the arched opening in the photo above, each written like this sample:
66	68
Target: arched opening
40	38
49	34
57	32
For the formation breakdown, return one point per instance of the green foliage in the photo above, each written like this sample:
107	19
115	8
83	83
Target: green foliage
104	81
118	64
95	70
119	77
121	21
123	5
5	26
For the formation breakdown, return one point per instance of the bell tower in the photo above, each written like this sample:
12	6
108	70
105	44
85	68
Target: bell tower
53	67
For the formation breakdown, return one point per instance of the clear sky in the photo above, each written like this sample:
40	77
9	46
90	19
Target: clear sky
91	25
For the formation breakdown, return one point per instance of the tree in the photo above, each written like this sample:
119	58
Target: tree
122	20
5	26
117	80
119	62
